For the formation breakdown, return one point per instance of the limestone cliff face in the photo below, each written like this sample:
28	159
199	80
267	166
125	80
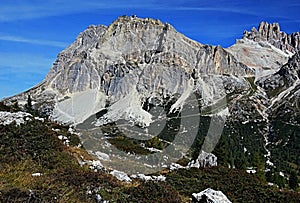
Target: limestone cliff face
72	71
104	57
135	53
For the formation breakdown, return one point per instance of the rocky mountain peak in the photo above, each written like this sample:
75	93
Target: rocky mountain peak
136	20
271	33
269	30
125	24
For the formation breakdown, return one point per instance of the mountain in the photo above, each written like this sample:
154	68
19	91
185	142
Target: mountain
135	58
246	97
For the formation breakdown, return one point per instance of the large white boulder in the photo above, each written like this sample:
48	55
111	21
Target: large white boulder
210	196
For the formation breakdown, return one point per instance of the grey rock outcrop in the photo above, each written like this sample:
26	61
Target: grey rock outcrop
204	160
18	118
272	34
104	57
210	196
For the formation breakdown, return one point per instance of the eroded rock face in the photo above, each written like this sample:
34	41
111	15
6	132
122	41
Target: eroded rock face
273	34
134	56
110	72
283	89
106	58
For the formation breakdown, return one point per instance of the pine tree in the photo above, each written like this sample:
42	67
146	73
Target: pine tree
222	151
28	106
16	107
293	180
260	166
279	180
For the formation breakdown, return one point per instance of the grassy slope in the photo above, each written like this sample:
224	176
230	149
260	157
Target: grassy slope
34	147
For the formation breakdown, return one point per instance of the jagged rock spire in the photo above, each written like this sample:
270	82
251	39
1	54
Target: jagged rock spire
272	34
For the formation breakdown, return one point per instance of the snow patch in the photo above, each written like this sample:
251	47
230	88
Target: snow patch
152	149
65	139
96	165
175	166
250	170
268	162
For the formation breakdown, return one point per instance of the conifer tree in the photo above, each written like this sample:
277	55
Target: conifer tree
293	180
28	106
260	166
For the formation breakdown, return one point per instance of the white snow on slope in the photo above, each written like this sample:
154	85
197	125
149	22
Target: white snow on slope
149	178
120	176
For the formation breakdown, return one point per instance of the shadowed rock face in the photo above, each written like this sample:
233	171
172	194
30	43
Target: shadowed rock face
272	34
285	77
283	88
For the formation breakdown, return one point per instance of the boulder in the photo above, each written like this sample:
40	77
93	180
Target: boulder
210	196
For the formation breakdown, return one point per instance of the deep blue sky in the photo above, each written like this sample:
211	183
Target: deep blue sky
33	32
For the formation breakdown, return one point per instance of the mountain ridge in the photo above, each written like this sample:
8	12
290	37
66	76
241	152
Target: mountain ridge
272	33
